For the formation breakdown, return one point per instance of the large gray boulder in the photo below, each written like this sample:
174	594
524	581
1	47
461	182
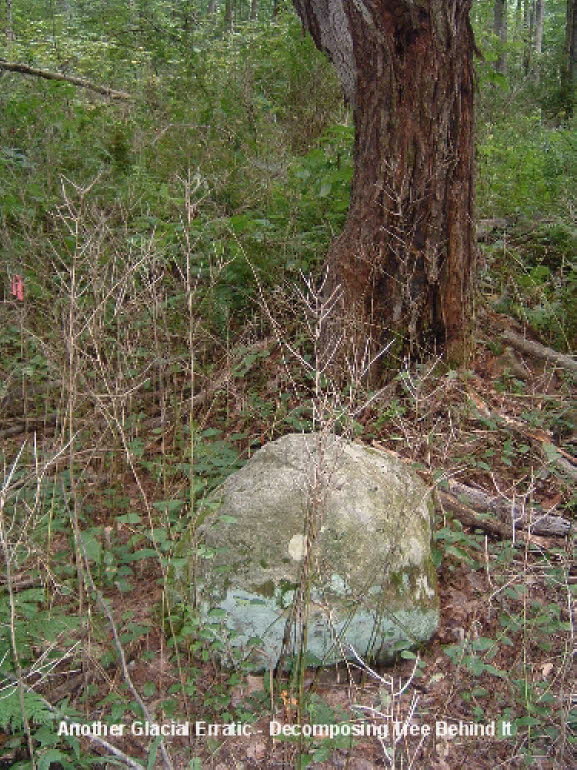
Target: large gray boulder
372	583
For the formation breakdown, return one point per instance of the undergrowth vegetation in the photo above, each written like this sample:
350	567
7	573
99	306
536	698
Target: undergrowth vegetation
165	247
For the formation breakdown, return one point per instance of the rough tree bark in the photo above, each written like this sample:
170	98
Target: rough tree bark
500	29
405	261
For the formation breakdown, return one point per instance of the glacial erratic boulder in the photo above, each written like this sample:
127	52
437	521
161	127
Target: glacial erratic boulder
365	553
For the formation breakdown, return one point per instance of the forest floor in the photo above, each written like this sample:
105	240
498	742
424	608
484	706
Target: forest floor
504	647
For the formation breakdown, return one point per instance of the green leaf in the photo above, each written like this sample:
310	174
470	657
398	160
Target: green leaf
129	518
304	760
482	643
53	755
92	547
11	710
148	689
527	722
474	665
144	553
152	754
490	669
169	506
137	446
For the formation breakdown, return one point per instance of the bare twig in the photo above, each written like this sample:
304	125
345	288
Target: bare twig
8	556
393	711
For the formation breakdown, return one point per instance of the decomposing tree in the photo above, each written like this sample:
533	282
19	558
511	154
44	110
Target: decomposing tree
405	262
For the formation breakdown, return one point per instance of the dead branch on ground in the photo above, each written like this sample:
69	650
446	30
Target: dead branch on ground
532	517
523	345
469	518
542	523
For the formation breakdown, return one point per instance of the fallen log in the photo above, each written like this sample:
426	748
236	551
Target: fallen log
478	501
26	425
24	69
488	227
523	345
532	518
468	517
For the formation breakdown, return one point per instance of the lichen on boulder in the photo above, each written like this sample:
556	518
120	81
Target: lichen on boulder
351	522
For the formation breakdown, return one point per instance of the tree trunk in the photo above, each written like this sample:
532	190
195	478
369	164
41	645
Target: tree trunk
500	28
539	25
10	36
404	264
212	7
569	73
528	35
253	10
228	15
519	18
